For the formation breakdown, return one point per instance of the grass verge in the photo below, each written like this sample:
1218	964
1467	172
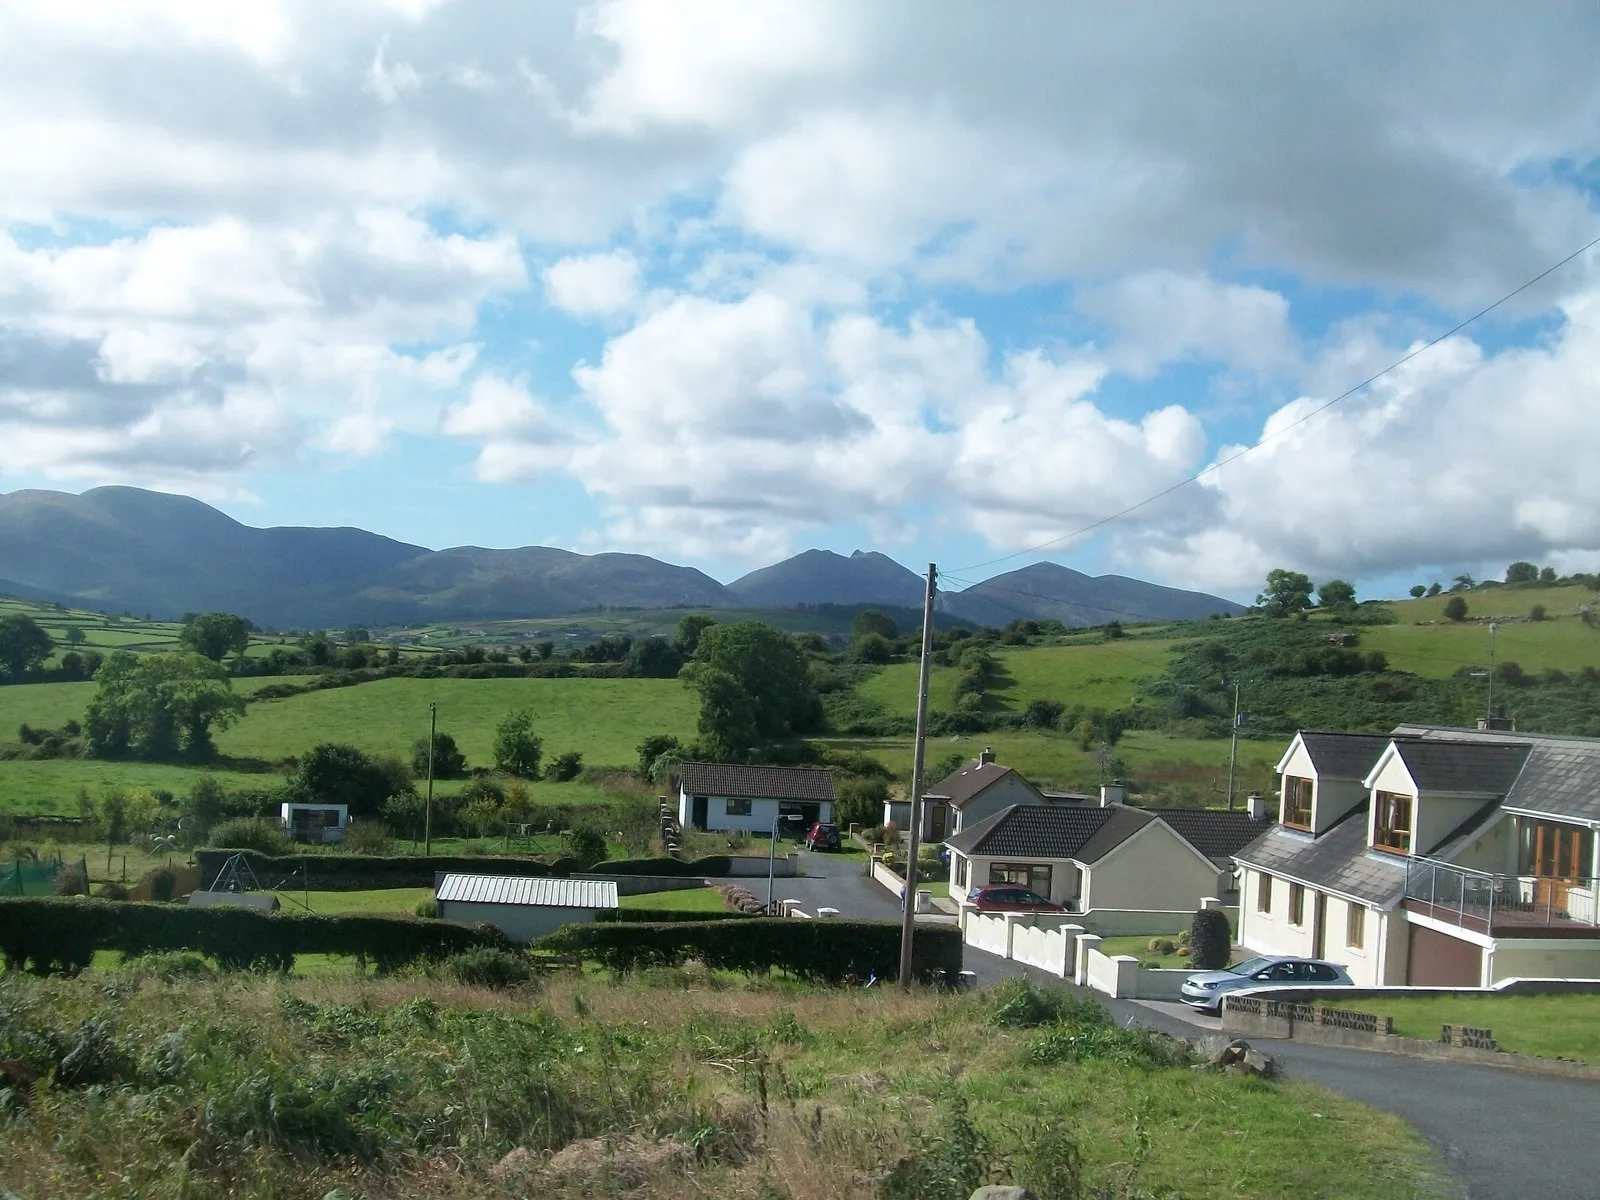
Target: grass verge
1547	1026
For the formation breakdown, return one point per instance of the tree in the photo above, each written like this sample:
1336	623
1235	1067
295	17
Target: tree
1547	576
334	773
1463	583
1210	940
24	646
872	620
654	658
76	636
1538	613
1434	589
586	844
544	649
859	801
215	634
1418	592
159	706
755	688
652	748
516	747
564	768
1456	608
872	648
1522	572
1336	593
1287	592
448	761
690	627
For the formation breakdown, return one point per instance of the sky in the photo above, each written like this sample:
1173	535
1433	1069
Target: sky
722	281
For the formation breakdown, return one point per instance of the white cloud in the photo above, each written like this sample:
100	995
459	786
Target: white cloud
593	285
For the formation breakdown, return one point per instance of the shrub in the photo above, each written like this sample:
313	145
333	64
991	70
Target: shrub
488	967
251	833
1022	1004
586	844
71	880
167	966
1455	608
564	768
1537	613
1165	946
163	882
112	890
368	836
427	909
1210	939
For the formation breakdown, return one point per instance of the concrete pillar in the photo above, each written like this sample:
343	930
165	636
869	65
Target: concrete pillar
1013	919
1212	902
963	911
1086	943
1127	985
1073	934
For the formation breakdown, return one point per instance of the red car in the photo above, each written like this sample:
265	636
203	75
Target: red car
824	835
1008	897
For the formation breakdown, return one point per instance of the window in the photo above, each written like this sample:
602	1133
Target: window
737	808
1355	927
1034	876
1317	973
1297	904
1392	829
1297	802
961	872
1547	850
1263	893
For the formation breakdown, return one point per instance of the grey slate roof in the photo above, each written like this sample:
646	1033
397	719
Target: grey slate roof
1561	776
1482	768
1034	831
541	892
1343	755
1215	834
963	785
756	783
1339	861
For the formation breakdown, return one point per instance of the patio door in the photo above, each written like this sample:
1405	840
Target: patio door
1558	857
1319	927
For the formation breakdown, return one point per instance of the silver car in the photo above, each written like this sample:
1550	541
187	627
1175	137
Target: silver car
1206	989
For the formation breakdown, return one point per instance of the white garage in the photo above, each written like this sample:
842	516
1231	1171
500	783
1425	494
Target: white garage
520	906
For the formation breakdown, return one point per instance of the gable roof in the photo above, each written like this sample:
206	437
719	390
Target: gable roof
756	783
1213	833
1051	831
1474	768
1341	755
1561	775
963	785
1338	861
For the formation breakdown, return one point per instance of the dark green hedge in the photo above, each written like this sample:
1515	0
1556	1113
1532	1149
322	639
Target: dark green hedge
648	915
832	950
45	935
362	871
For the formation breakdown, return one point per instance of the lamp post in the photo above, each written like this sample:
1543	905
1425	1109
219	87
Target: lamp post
772	856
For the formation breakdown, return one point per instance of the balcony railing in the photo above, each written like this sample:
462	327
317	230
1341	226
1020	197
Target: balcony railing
1504	905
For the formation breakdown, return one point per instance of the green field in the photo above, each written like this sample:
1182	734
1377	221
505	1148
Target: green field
1440	650
51	785
1547	1026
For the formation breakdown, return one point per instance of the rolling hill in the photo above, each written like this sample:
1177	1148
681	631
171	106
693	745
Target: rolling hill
1046	590
823	577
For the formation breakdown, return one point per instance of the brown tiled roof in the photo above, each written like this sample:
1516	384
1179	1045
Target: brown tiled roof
757	783
966	783
1051	831
1216	834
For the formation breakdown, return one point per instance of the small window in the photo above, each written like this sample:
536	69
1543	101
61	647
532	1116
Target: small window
1355	927
1391	828
1263	893
1297	904
961	872
1297	802
738	808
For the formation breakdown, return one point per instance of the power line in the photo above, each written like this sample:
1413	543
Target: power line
1315	412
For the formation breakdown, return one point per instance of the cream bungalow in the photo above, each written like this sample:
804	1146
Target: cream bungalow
1469	858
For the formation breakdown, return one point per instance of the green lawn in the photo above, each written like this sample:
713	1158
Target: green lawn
696	899
1549	1026
384	901
1138	945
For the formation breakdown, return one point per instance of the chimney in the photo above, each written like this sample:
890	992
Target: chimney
1499	723
985	757
1256	806
1114	792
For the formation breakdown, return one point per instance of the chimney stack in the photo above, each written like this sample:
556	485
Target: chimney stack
1256	806
1114	792
985	757
1499	723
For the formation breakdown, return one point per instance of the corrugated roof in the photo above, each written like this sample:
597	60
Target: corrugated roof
530	890
1343	755
757	783
1215	834
1051	831
1338	861
1480	768
963	785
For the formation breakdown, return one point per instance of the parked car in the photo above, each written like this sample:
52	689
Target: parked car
1008	897
823	836
1206	989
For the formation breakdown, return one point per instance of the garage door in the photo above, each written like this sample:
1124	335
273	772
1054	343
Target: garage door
1439	960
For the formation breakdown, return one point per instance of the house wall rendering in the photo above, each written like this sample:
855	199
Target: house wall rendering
727	813
1372	963
1002	793
1154	870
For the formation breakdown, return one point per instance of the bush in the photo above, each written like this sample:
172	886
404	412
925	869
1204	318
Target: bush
1022	1004
426	909
251	833
1537	613
1210	939
163	882
367	836
111	890
71	881
832	951
488	967
587	844
649	915
1455	608
564	768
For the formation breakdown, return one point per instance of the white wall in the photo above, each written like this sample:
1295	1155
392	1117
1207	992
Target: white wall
1379	961
1578	958
1065	875
758	820
1494	850
519	922
1153	869
1332	799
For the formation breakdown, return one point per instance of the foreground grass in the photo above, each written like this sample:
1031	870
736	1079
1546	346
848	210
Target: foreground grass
228	1085
695	899
1547	1026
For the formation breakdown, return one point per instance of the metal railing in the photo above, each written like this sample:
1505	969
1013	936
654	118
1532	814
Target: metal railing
1484	901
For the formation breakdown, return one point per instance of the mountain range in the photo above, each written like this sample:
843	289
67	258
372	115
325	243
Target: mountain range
126	549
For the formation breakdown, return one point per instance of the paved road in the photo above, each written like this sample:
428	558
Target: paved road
1503	1135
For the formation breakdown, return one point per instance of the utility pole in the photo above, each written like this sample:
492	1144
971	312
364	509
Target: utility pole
1489	724
1233	749
908	918
427	811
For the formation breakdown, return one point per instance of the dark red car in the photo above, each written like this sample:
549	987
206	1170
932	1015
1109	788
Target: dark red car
1008	897
823	836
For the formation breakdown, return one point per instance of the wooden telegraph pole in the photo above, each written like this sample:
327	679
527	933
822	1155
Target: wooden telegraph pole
908	918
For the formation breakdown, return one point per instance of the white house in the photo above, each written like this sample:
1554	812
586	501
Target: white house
722	796
1123	869
320	823
978	790
1433	856
523	907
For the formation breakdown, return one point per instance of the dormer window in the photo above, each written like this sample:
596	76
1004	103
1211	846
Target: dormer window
1297	802
1391	828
